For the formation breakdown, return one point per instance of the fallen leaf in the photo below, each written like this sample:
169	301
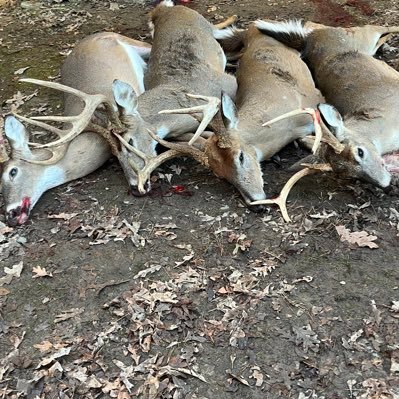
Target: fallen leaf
64	216
68	314
44	346
149	270
20	71
257	376
238	378
15	271
113	6
41	272
61	353
360	238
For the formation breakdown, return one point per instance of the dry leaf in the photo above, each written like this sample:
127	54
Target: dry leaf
68	314
44	346
360	238
257	376
41	272
64	216
20	71
114	6
15	271
149	270
238	378
61	353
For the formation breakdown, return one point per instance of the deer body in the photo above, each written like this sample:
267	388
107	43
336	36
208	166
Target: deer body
271	79
363	89
91	67
185	58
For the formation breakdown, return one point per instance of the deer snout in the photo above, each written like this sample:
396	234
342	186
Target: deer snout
257	208
134	189
16	216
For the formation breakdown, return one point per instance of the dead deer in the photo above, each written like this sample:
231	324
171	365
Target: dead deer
363	89
92	66
186	65
108	67
271	78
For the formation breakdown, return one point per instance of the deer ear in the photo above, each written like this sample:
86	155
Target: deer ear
125	97
17	136
229	112
333	120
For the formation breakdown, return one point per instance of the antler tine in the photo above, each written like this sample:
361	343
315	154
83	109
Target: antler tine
131	148
151	163
227	22
79	122
281	200
314	113
208	111
57	154
55	86
45	126
59	151
331	140
184	149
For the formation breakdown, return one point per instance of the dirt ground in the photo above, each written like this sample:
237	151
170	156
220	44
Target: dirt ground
185	293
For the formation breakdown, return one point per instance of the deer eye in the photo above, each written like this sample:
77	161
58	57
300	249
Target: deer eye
360	152
241	158
13	172
131	142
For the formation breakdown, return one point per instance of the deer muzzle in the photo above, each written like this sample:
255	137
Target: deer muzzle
20	214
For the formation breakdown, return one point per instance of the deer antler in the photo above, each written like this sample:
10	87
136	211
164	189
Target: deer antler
227	22
208	111
151	163
281	200
314	113
79	122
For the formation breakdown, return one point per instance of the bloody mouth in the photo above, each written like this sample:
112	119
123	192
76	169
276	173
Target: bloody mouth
24	210
392	162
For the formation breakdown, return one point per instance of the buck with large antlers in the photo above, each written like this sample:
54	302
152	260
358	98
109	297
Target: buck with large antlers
186	64
364	90
272	79
108	67
92	67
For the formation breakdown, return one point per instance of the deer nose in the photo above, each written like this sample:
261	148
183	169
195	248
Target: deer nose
257	208
135	190
12	216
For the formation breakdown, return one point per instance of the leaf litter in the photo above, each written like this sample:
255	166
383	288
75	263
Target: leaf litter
187	304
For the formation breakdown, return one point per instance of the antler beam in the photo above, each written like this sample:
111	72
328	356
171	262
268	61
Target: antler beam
281	200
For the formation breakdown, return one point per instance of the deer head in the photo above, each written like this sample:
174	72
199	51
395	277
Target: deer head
137	144
26	174
359	158
226	154
34	168
348	152
232	159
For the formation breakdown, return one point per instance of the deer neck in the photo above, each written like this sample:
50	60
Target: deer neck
269	140
85	154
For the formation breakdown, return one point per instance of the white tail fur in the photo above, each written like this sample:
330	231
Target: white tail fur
294	26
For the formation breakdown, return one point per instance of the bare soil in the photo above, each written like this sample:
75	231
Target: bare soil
185	293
